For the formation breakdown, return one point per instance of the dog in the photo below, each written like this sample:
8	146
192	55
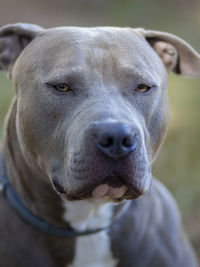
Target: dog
89	116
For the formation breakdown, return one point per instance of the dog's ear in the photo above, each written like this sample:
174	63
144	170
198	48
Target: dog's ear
13	39
176	54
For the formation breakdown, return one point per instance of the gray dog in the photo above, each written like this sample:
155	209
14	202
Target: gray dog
89	115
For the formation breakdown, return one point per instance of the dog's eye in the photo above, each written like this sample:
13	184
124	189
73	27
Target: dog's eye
62	87
142	88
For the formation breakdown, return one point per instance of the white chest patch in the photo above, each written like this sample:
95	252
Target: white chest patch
91	250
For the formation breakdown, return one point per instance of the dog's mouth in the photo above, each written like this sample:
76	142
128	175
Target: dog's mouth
112	188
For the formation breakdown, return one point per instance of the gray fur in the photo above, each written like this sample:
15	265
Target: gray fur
50	135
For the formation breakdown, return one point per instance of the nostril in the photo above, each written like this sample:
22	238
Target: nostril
109	142
129	142
126	142
106	141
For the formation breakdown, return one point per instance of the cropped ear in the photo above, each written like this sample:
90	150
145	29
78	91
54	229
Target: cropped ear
176	54
13	39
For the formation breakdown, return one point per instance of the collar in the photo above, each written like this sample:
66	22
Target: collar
28	216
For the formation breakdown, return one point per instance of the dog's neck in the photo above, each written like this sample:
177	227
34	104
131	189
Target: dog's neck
30	184
37	194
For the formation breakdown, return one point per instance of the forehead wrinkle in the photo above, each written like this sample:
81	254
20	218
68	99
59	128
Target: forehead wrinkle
138	72
102	54
63	73
100	61
108	58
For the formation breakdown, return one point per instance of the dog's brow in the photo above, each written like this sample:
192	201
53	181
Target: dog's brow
65	74
137	74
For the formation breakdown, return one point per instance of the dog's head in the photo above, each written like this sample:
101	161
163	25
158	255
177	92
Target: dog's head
92	108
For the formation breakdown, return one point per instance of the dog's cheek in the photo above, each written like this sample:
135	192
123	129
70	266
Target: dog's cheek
158	127
35	136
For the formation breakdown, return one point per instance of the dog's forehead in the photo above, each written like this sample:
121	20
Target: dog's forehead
107	36
68	41
105	49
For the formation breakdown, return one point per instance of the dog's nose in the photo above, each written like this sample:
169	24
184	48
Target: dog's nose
115	139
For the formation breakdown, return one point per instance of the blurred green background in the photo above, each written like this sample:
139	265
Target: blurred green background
178	164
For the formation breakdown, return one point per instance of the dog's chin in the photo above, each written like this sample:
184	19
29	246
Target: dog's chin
108	193
127	195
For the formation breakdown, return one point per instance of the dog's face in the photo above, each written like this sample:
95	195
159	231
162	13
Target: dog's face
76	84
92	108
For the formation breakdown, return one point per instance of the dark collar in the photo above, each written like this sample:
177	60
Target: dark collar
32	219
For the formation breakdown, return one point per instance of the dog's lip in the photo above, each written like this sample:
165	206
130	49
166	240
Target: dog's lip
112	186
114	180
104	190
129	193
